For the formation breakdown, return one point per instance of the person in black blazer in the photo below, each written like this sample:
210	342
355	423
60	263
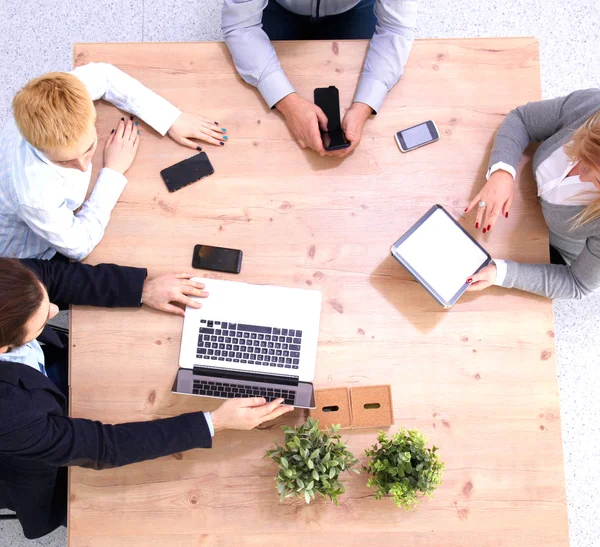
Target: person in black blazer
38	440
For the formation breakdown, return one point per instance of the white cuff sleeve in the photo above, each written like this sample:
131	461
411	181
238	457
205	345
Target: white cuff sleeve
371	92
501	269
209	423
501	166
107	190
275	87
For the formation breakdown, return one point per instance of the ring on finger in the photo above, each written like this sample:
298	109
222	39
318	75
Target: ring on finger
481	204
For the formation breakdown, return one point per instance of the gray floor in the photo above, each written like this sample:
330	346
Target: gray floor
37	38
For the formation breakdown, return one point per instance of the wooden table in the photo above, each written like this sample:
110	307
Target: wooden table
479	380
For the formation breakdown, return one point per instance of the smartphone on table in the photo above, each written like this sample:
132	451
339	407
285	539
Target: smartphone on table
328	100
186	172
217	259
417	135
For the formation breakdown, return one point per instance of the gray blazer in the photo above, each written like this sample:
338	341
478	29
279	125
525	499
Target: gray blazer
552	123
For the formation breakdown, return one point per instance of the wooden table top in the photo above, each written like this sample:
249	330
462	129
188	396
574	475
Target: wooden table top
479	380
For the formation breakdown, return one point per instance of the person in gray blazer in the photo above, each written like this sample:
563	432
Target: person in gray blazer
567	171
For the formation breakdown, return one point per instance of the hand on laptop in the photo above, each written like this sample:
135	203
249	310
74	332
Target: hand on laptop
121	146
246	414
303	120
165	291
191	126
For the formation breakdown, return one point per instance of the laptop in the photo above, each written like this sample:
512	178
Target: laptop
251	341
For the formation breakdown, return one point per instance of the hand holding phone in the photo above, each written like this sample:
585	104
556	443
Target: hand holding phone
328	99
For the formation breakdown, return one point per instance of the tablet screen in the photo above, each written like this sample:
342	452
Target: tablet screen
442	254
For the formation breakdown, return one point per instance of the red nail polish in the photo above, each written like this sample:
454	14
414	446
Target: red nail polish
470	280
506	215
484	230
466	210
477	225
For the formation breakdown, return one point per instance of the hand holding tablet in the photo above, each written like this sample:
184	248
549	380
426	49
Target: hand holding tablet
440	255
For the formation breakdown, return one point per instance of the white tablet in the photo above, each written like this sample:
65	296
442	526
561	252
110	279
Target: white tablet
440	254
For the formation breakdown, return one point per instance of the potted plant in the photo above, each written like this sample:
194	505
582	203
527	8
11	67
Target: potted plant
403	467
311	461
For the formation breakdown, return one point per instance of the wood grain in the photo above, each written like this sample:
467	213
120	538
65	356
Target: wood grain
479	381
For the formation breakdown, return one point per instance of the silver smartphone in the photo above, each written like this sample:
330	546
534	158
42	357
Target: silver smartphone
417	135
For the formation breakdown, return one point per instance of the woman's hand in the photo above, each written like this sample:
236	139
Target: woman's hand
191	126
163	291
483	278
498	194
121	146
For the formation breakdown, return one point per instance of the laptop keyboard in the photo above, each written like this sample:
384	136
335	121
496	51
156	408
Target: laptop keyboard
249	344
232	391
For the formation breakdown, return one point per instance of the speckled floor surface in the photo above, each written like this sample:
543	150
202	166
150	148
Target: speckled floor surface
37	37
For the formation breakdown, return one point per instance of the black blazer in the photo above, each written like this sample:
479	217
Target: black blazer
38	439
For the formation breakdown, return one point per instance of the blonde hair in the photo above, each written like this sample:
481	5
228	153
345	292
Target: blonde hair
53	111
585	147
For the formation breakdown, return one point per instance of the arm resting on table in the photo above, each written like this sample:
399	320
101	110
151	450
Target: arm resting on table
63	441
579	279
252	52
106	285
388	50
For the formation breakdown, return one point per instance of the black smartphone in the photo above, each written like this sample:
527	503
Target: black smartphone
186	172
328	99
217	259
417	135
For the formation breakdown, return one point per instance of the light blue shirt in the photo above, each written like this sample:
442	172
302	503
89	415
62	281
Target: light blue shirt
30	354
257	63
38	198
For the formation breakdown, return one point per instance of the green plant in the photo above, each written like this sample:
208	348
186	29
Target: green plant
311	461
403	467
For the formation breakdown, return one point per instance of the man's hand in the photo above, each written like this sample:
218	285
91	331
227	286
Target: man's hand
353	125
246	414
163	291
304	119
121	146
191	126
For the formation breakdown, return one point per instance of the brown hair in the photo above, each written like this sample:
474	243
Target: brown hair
53	111
585	147
21	295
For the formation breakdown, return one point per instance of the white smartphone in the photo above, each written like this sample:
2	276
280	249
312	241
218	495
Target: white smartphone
417	135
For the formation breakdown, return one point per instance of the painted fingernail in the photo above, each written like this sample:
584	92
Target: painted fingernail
122	119
477	225
216	123
470	280
131	117
136	123
199	148
225	137
222	143
506	215
112	131
489	227
139	133
484	230
466	209
224	130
